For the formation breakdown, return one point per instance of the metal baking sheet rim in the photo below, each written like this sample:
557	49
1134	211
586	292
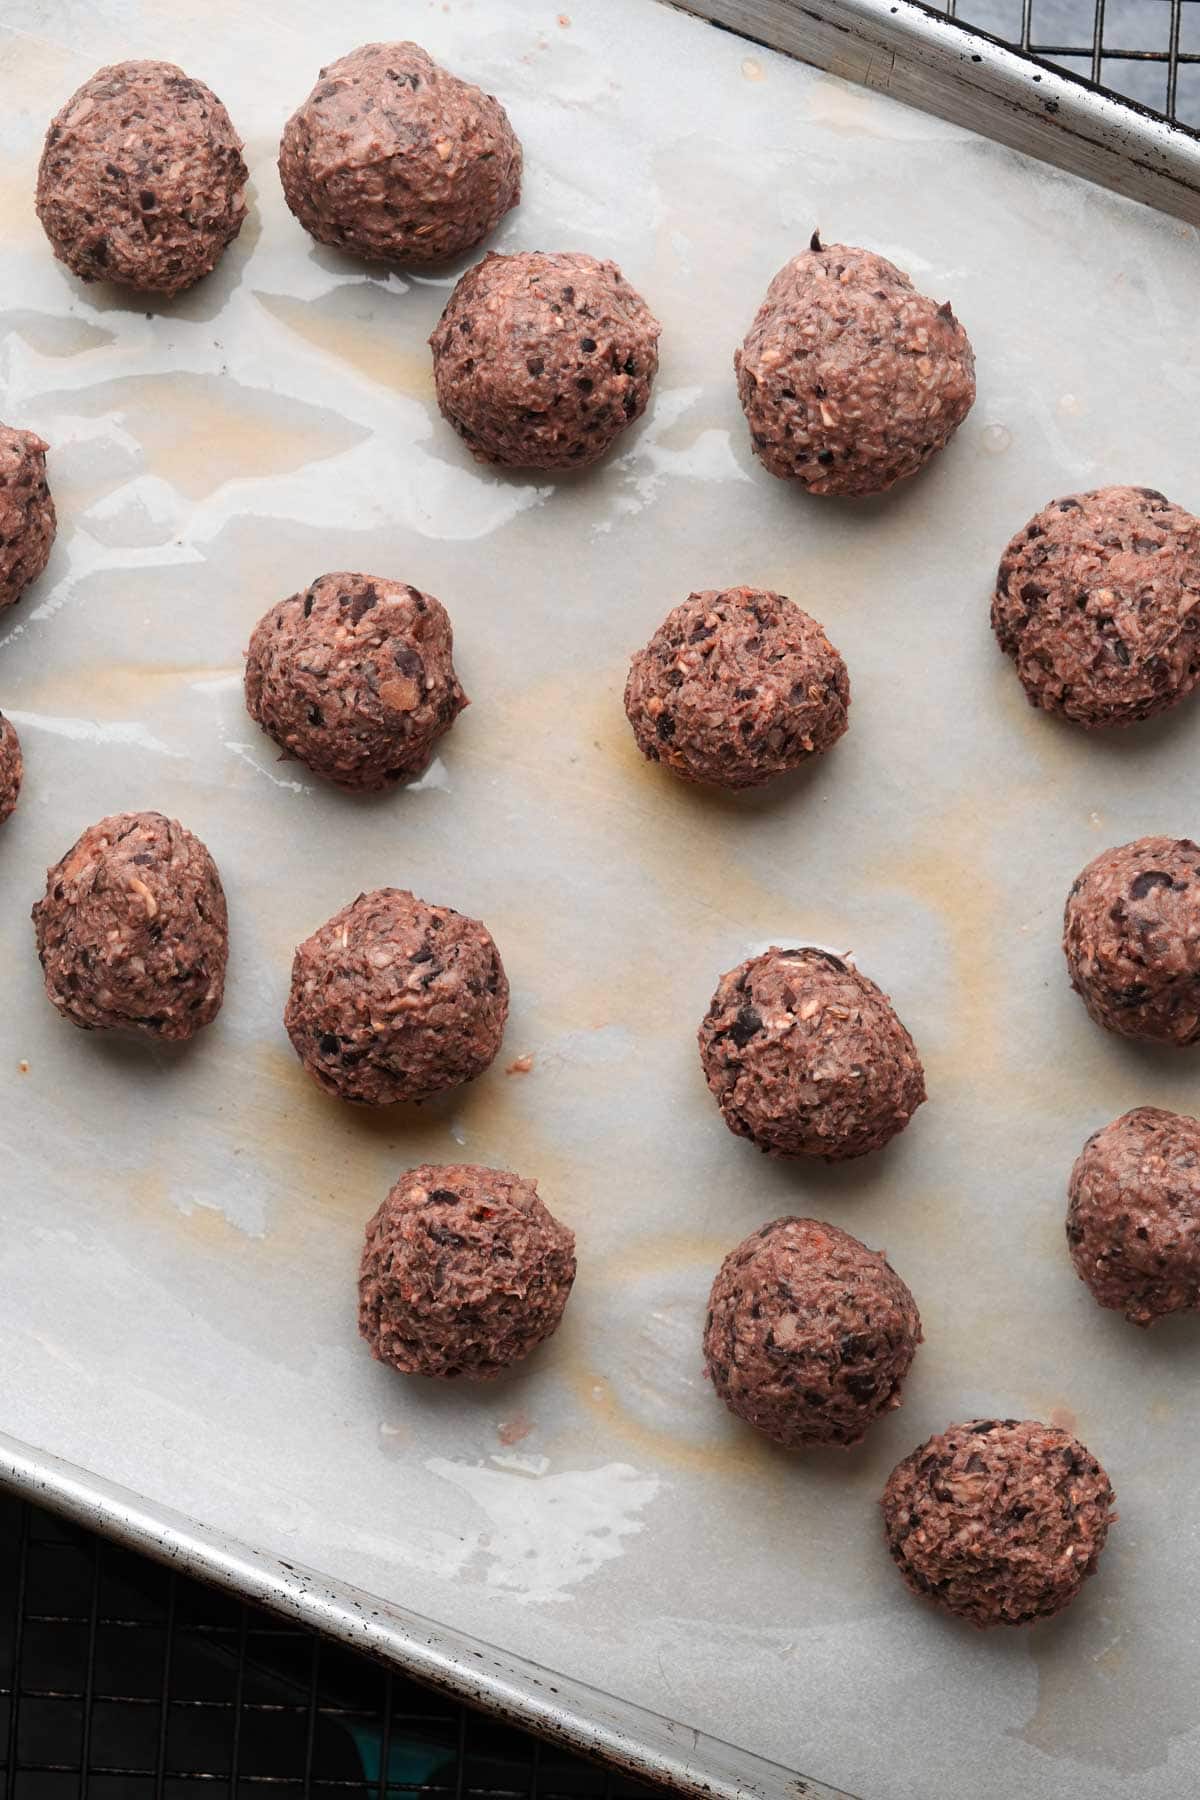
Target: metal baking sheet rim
566	1712
900	49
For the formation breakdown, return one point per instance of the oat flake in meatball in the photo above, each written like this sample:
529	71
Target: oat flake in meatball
141	180
850	380
355	677
133	930
12	768
393	999
541	360
1098	603
27	521
806	1057
393	159
1131	935
735	687
998	1520
464	1272
809	1334
1133	1217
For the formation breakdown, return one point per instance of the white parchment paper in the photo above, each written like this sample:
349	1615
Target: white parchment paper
180	1232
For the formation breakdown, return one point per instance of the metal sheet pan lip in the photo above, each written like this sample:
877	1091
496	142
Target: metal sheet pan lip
570	1713
945	66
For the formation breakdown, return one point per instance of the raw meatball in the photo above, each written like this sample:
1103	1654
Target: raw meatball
1098	604
141	180
850	379
133	930
1133	1220
735	687
395	160
355	677
27	521
12	768
464	1272
1131	934
540	361
809	1334
998	1520
806	1057
394	999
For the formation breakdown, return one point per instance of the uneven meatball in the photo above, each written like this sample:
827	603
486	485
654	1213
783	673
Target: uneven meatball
141	180
393	999
809	1334
1098	603
1133	1216
805	1057
394	159
355	676
540	361
12	768
850	380
133	930
464	1272
1131	935
735	687
999	1520
27	521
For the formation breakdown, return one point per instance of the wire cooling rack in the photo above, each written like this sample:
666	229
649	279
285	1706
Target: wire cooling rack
1142	50
121	1680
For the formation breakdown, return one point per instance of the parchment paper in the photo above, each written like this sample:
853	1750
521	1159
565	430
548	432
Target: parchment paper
181	1231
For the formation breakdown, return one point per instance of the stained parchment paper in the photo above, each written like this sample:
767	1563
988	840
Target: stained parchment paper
180	1231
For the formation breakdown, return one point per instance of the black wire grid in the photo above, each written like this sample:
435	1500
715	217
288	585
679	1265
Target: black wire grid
1143	50
122	1680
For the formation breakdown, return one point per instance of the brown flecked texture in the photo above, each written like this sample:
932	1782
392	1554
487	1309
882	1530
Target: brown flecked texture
27	520
1131	934
809	1334
541	360
998	1520
1133	1216
850	380
393	999
12	768
1098	603
394	159
806	1057
133	930
464	1272
141	180
735	687
355	677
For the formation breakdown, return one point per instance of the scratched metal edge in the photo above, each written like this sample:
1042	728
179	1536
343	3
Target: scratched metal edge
901	49
580	1718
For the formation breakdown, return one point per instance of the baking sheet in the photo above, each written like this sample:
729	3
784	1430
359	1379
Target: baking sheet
181	1230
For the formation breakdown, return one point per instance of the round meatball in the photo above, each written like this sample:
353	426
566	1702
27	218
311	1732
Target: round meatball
12	768
809	1334
133	930
1131	934
1133	1216
394	159
393	999
735	687
540	361
998	1520
850	379
805	1057
355	676
141	180
1098	603
464	1272
27	520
